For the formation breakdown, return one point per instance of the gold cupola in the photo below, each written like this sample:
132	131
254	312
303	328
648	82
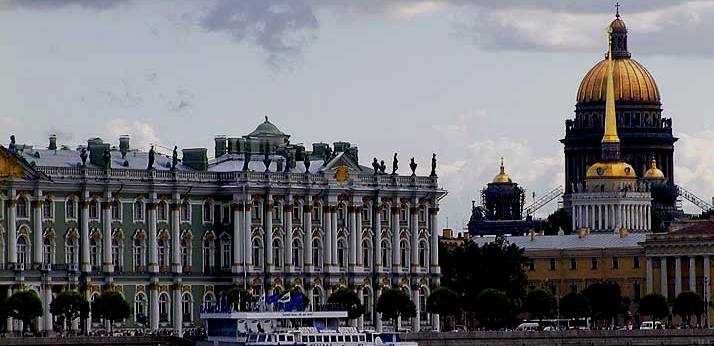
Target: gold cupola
502	177
653	173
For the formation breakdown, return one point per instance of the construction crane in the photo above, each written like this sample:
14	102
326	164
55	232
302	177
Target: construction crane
702	204
545	199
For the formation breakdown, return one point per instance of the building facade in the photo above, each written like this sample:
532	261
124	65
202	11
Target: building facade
172	234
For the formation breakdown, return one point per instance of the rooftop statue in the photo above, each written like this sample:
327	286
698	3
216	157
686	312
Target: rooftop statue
433	165
306	161
152	158
83	155
413	166
107	159
246	160
375	166
174	158
266	162
395	164
382	167
12	147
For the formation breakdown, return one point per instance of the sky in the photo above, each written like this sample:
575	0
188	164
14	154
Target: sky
471	81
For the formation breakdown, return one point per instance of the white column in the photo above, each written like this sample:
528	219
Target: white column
677	276
12	228
248	236
327	241
238	241
414	242
176	234
358	235
84	232
154	307
268	229
288	229
46	297
434	229
650	283
37	230
416	323
333	238
706	267
177	310
692	273
307	235
153	261
353	230
574	212
663	277
107	233
649	218
377	230
586	215
396	237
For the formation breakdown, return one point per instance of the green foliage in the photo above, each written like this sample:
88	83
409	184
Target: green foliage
493	309
605	300
688	304
443	301
71	305
394	303
240	295
556	221
540	304
25	306
349	299
654	305
112	306
574	305
465	268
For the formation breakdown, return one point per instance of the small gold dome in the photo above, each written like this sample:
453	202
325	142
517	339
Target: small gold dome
611	170
618	24
502	177
632	82
653	172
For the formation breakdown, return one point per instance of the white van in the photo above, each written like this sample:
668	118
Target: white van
528	327
649	325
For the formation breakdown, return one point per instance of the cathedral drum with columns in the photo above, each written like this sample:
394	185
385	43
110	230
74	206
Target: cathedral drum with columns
172	234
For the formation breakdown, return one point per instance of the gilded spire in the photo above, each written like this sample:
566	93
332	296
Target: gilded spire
503	169
502	177
610	135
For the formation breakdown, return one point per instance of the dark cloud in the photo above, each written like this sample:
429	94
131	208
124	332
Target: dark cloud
282	28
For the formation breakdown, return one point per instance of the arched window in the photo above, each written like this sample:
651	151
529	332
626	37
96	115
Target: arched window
70	209
404	253
138	210
207	211
316	297
209	299
226	253
94	254
423	294
209	256
21	208
71	249
164	307
94	209
423	253
403	213
139	251
187	307
342	254
116	210
162	211
48	250
92	298
257	253
163	254
23	250
386	254
367	253
140	308
48	211
256	213
316	213
317	253
297	253
277	253
367	302
341	213
117	254
186	254
185	211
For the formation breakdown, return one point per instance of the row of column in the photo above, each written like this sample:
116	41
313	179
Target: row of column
611	217
664	274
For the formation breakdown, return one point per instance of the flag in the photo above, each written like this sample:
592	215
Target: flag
285	298
272	299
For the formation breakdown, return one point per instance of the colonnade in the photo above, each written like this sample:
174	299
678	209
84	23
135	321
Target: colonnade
703	287
612	216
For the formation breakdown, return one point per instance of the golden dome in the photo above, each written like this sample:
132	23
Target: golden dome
632	82
612	170
502	177
618	24
653	172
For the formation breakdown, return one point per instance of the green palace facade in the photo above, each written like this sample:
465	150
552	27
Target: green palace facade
172	234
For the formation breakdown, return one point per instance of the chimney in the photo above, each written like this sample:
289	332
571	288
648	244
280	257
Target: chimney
195	158
220	148
53	142
123	145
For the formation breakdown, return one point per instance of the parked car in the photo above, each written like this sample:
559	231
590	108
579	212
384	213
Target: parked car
649	325
528	327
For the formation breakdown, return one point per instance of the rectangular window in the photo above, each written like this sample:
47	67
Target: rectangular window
47	209
531	265
635	262
573	264
366	214
94	210
297	213
615	263
552	264
593	263
70	209
226	214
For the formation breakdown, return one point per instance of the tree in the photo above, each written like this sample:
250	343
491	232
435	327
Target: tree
240	295
574	305
654	305
347	298
493	309
443	301
688	304
394	303
111	306
70	304
25	306
539	304
556	221
605	300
